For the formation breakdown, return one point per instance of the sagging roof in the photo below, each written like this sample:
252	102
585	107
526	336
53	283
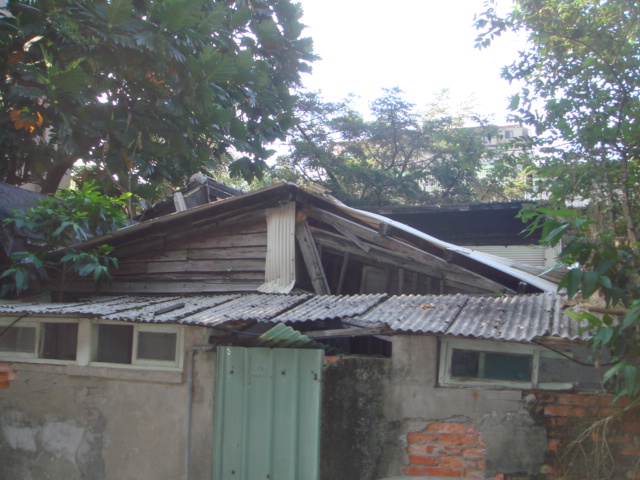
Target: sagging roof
490	266
521	318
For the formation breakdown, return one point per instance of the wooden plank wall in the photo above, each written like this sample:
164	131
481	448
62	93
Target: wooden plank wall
222	256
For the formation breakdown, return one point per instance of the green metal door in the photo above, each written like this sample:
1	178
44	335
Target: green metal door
267	414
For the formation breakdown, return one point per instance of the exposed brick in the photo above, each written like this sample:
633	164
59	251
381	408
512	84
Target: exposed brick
480	465
473	452
474	474
499	476
625	438
452	450
423	460
472	431
631	427
421	437
564	411
444	472
422	448
630	450
447	428
479	442
451	439
5	367
4	384
455	462
415	471
553	445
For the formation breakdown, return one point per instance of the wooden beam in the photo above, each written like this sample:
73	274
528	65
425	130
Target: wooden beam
437	264
311	259
347	332
343	273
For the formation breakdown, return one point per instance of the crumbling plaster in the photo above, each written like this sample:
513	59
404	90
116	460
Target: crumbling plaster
112	425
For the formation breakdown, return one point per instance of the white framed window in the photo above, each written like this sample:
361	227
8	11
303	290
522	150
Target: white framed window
136	345
88	342
475	363
53	340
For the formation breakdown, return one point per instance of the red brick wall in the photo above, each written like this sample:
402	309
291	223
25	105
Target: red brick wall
456	450
446	450
565	415
6	375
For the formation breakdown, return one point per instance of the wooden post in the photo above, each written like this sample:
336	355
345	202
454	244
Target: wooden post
311	259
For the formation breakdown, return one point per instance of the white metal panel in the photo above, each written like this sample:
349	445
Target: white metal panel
524	254
280	270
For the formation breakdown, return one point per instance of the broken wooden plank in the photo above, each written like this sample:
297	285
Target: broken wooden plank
347	332
343	272
311	259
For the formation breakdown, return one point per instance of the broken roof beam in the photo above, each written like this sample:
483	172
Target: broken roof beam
453	272
382	256
311	258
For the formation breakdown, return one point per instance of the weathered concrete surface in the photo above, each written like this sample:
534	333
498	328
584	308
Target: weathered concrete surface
514	442
353	426
59	426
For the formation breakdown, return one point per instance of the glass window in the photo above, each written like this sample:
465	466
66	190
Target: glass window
114	343
60	341
157	346
491	365
18	339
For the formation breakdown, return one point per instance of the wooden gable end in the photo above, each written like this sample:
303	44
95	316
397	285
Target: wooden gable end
219	256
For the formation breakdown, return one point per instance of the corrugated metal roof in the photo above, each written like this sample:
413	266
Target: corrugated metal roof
282	336
513	318
327	307
416	313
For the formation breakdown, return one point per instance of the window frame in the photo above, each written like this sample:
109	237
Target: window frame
36	355
447	345
87	343
136	363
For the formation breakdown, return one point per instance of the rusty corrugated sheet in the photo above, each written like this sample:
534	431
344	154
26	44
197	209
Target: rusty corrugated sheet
417	313
327	307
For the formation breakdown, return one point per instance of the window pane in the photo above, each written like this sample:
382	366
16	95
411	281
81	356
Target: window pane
60	341
18	339
115	343
503	366
157	346
491	365
465	363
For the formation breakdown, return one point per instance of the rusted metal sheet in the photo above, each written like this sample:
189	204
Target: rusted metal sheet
327	307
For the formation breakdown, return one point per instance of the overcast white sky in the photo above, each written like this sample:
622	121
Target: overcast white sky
421	46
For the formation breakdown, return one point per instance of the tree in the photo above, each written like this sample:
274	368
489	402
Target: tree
145	92
55	224
397	155
581	71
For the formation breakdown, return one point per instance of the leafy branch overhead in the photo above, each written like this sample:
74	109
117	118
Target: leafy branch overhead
399	156
54	226
145	92
581	77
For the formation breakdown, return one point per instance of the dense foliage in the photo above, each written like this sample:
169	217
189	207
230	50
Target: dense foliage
53	226
396	155
581	72
145	92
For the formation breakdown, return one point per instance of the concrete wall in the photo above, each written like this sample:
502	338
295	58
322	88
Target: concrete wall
388	419
70	422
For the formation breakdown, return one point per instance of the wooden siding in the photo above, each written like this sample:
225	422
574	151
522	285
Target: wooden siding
223	256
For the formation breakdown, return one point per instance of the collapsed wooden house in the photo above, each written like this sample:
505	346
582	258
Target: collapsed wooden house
170	370
284	237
